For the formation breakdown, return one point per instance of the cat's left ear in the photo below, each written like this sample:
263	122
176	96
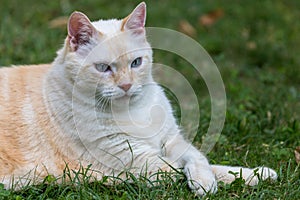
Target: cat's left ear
80	30
136	20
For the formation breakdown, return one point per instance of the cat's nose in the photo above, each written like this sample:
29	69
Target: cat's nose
125	87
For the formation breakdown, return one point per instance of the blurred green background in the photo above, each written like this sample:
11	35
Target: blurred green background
255	45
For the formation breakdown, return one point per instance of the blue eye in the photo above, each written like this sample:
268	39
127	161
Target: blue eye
102	67
137	62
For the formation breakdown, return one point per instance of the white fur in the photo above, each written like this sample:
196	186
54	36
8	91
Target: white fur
108	27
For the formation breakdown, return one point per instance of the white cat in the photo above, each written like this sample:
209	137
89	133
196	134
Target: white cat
98	104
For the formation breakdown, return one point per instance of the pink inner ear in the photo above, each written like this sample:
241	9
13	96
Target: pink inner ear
80	30
137	18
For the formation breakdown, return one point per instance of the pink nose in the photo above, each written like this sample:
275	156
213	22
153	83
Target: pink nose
125	87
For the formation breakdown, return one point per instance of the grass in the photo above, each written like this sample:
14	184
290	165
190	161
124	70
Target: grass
255	45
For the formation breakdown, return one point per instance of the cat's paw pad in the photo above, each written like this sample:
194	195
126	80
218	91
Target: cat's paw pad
261	173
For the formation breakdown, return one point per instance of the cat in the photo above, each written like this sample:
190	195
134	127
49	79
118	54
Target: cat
98	106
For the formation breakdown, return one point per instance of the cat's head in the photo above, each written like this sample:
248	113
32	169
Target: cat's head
112	57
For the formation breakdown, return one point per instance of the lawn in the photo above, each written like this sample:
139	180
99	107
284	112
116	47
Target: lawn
255	45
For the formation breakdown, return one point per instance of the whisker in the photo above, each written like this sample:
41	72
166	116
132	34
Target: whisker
101	102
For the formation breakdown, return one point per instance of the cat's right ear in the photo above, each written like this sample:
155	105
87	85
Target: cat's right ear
135	21
80	30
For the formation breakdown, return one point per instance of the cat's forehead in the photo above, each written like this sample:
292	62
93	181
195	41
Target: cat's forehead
107	27
116	44
113	37
117	51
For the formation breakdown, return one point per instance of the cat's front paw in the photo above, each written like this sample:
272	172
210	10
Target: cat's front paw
203	186
261	173
200	180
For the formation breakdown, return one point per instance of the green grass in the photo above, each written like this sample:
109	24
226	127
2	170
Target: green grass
255	46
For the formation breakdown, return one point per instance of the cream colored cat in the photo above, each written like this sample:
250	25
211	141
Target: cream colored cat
98	104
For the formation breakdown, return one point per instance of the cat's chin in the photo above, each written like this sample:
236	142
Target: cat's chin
126	97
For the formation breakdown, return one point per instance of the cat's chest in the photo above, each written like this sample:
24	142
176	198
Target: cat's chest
142	126
146	122
145	125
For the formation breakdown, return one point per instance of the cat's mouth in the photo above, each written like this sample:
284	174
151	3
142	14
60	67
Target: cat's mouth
106	99
128	95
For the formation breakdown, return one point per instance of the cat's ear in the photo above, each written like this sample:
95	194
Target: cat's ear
136	20
80	30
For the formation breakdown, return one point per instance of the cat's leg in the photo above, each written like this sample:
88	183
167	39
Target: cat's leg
153	164
199	173
227	174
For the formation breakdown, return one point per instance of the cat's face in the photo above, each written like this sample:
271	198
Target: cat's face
111	57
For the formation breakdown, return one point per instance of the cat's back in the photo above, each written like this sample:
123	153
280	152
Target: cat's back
20	90
17	82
